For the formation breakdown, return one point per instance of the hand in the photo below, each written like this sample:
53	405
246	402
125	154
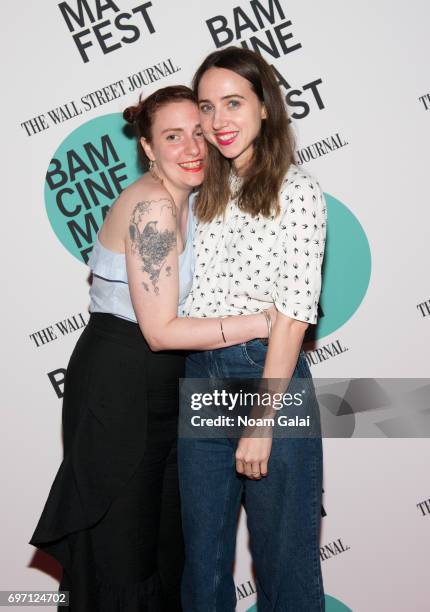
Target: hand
252	457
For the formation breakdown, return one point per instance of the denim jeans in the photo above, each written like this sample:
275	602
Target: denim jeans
283	509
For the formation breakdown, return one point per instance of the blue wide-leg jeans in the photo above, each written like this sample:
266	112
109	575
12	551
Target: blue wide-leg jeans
283	509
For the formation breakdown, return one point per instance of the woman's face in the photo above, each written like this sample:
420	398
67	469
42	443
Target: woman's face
230	114
178	146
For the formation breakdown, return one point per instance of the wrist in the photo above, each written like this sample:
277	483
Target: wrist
259	326
263	325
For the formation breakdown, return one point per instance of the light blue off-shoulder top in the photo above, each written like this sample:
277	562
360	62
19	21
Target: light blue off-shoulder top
109	291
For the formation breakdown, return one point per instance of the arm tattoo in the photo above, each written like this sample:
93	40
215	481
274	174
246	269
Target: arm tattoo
149	243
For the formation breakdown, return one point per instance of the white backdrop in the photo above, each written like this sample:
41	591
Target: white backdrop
362	72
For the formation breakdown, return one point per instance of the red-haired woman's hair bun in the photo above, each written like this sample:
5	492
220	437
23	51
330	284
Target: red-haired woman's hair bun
130	113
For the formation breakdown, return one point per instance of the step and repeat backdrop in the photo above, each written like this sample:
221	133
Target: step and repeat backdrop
356	81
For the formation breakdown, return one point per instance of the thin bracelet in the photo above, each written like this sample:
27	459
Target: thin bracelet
222	329
269	323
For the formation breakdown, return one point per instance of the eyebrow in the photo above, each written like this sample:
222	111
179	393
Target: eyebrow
178	129
226	97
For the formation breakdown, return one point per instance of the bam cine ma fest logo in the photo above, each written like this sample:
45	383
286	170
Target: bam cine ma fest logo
96	161
87	173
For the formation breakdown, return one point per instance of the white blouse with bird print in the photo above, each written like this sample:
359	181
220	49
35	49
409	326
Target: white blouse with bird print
244	264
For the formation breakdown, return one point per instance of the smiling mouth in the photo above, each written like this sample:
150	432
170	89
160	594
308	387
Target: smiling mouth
226	138
192	166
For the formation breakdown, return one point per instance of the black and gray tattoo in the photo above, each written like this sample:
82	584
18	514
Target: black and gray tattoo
149	243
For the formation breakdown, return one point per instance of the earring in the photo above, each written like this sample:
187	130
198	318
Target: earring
153	171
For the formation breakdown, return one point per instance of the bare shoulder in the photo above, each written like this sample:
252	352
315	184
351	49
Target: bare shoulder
143	191
143	200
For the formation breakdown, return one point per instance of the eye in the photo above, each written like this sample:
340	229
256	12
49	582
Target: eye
205	107
172	137
233	103
198	133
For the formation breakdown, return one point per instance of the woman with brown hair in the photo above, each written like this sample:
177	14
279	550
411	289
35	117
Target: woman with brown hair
259	241
112	518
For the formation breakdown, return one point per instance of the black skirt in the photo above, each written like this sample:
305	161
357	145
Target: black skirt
112	518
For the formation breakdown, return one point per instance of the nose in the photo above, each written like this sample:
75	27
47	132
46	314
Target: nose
218	119
192	146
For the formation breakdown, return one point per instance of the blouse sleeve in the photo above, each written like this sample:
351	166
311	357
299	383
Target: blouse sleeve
302	238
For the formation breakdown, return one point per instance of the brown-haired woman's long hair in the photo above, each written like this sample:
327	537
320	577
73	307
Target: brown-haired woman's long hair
273	150
142	115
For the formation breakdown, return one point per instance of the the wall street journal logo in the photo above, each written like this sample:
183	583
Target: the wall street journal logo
58	330
101	26
424	308
425	101
424	507
337	547
245	589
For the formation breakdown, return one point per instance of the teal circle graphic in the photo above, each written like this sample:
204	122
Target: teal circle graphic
92	165
331	605
346	268
334	605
